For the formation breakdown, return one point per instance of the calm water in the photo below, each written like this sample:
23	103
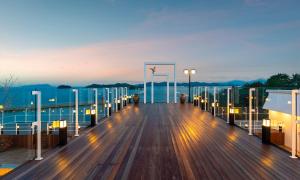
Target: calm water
59	104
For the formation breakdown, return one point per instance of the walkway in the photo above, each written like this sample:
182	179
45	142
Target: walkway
163	141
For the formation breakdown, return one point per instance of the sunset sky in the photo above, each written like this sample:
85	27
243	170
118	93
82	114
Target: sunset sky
105	41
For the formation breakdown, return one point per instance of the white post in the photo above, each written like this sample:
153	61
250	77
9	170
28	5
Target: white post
122	94
76	111
294	123
145	84
107	90
1	127
126	94
205	98
251	90
2	120
96	104
228	103
152	89
168	90
39	125
116	99
215	100
175	85
199	94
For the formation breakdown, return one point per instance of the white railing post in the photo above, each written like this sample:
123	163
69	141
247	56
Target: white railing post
126	95
116	99
168	89
294	123
251	91
108	101
215	100
76	112
145	83
39	125
122	94
228	102
175	85
205	98
96	104
152	89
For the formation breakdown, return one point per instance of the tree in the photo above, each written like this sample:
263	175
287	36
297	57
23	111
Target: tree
296	80
279	80
254	84
6	85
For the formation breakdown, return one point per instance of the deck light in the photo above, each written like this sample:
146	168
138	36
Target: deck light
62	124
63	132
1	107
266	131
1	129
87	112
266	122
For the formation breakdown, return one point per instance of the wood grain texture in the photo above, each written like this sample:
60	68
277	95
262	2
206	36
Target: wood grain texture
163	141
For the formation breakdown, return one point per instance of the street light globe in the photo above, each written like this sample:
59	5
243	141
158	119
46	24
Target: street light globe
193	71
186	71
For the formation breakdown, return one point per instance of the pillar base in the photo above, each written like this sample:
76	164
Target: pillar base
39	159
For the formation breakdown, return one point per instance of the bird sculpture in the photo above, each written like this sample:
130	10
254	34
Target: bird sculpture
153	69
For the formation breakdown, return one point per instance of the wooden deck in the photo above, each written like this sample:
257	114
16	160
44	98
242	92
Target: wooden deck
163	142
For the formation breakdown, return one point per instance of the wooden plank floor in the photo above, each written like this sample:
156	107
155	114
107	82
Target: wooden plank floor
163	141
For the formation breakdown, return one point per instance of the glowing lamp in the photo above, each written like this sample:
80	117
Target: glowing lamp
109	105
88	112
1	107
62	124
231	110
93	111
52	100
119	101
55	124
193	71
186	71
266	122
202	101
213	104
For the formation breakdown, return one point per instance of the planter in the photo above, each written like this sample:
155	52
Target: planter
136	99
182	98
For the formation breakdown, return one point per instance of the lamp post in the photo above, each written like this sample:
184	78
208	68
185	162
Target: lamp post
251	110
189	72
38	123
96	103
76	112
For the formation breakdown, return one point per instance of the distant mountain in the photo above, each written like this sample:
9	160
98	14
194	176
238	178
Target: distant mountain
130	86
227	83
64	87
